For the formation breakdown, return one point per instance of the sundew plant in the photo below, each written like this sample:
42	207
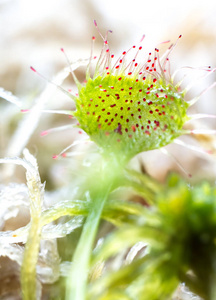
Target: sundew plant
125	107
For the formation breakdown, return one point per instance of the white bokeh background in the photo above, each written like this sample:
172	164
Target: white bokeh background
33	31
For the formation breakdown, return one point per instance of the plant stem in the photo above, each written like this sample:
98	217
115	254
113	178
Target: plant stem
28	269
77	280
30	257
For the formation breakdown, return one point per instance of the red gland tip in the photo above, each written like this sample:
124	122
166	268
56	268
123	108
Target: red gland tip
62	50
180	36
43	133
55	156
24	110
209	151
33	69
142	38
64	155
133	128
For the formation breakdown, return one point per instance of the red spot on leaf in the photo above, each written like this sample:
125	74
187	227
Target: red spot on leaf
133	128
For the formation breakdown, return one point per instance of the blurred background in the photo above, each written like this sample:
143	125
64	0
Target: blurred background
32	33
